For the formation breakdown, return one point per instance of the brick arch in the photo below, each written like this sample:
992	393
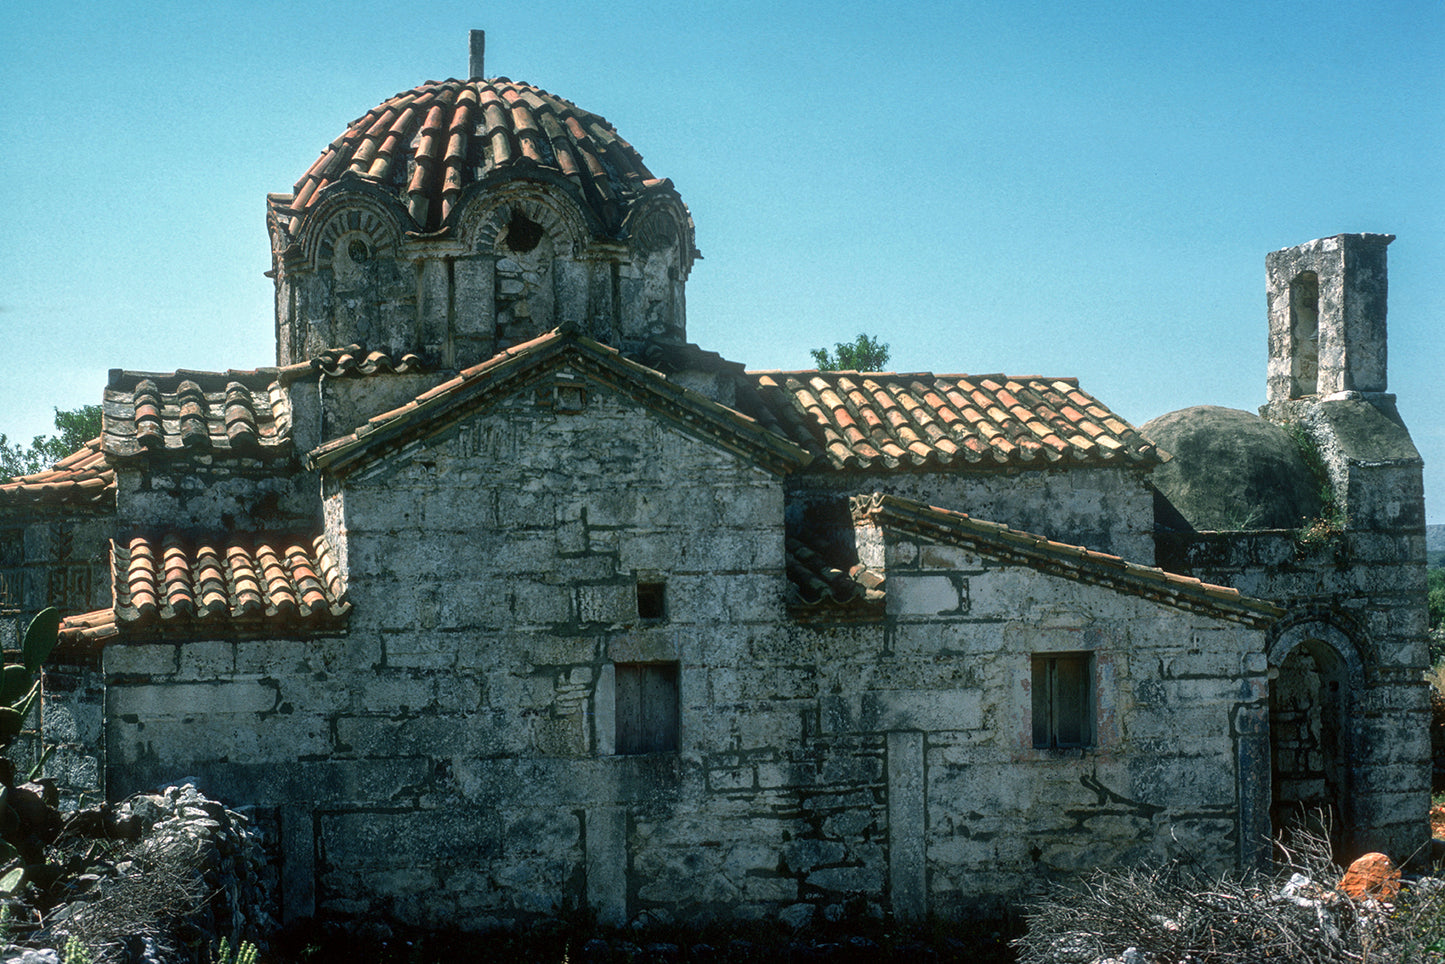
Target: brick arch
349	215
485	217
1289	635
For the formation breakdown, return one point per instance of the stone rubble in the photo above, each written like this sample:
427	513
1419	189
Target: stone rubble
186	870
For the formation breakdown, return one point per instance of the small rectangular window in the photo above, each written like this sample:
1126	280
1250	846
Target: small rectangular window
570	397
1063	700
646	707
651	600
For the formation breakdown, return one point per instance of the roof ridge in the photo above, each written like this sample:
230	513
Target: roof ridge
442	404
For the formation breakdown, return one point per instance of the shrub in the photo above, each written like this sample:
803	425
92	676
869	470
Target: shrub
1177	912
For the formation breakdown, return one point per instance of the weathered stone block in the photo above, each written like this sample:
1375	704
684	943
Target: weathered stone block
931	595
141	659
921	710
170	700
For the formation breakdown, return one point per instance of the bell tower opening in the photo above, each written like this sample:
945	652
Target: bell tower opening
1327	302
1304	331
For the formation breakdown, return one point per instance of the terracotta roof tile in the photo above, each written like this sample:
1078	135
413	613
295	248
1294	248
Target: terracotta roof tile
432	141
355	360
83	477
196	413
273	583
1062	559
884	420
82	636
812	583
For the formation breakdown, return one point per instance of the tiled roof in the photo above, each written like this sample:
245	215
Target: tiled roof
227	585
430	142
83	635
523	365
196	413
1058	558
812	582
873	420
82	478
356	360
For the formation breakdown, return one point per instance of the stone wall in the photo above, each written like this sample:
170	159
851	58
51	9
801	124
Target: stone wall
1108	509
235	494
461	754
1361	593
56	556
1176	708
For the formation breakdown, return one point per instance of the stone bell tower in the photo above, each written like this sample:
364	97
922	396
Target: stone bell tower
1353	647
1327	303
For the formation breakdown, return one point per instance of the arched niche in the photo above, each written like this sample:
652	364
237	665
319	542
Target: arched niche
487	218
534	238
1314	691
658	234
347	231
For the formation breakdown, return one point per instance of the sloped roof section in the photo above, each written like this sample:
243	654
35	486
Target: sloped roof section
277	584
523	365
1057	558
883	420
813	584
428	143
83	477
186	413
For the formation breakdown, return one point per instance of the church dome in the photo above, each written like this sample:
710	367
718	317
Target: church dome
1232	470
429	143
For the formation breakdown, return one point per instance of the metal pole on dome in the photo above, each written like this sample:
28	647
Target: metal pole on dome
479	50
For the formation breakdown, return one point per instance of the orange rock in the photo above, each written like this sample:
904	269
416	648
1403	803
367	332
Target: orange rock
1373	875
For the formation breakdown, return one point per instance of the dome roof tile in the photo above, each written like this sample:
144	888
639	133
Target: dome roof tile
430	142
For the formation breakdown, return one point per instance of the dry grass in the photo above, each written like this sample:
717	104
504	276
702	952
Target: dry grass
1176	912
165	886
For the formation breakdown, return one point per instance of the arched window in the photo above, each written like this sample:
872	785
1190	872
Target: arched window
1304	329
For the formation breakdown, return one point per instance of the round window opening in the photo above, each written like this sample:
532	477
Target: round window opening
356	250
523	234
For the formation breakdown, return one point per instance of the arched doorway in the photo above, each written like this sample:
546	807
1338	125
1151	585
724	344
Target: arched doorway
1314	682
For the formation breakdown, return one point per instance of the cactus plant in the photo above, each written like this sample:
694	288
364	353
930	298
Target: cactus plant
26	817
20	682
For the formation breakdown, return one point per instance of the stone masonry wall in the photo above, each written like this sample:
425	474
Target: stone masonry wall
454	756
1178	703
56	558
1363	584
236	494
1108	509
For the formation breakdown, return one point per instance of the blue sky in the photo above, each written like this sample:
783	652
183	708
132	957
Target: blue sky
1035	188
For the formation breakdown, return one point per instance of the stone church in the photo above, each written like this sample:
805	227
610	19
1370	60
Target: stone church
495	597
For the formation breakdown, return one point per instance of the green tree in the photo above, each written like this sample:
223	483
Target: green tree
73	429
863	354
